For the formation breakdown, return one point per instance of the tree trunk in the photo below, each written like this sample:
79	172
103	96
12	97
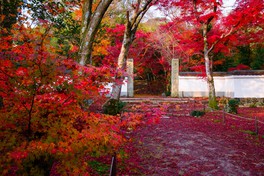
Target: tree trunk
116	90
208	71
90	26
210	82
133	21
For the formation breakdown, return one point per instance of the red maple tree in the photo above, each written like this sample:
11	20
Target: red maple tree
212	31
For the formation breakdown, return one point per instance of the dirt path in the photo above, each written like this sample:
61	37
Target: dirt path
192	146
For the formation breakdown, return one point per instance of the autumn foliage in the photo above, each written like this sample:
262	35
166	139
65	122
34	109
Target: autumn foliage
50	118
51	105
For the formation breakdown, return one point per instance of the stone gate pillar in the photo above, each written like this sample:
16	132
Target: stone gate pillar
130	81
175	78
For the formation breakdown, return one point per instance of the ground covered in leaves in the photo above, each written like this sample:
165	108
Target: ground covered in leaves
186	145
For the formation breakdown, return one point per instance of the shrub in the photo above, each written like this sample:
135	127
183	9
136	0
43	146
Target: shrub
44	111
168	93
222	102
253	105
213	103
232	105
196	113
113	107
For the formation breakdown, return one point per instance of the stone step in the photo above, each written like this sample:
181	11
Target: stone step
177	114
160	102
157	100
174	107
169	114
170	105
170	108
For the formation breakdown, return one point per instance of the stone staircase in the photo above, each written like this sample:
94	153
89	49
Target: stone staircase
173	107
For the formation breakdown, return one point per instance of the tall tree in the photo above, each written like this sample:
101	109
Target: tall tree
212	29
134	16
92	15
59	13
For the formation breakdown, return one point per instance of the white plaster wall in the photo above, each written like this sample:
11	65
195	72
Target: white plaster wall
230	86
249	86
233	86
220	85
192	86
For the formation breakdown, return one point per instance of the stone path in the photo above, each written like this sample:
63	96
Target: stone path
181	145
178	146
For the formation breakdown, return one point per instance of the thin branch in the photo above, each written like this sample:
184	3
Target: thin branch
66	99
30	116
217	41
12	77
195	11
140	12
212	17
